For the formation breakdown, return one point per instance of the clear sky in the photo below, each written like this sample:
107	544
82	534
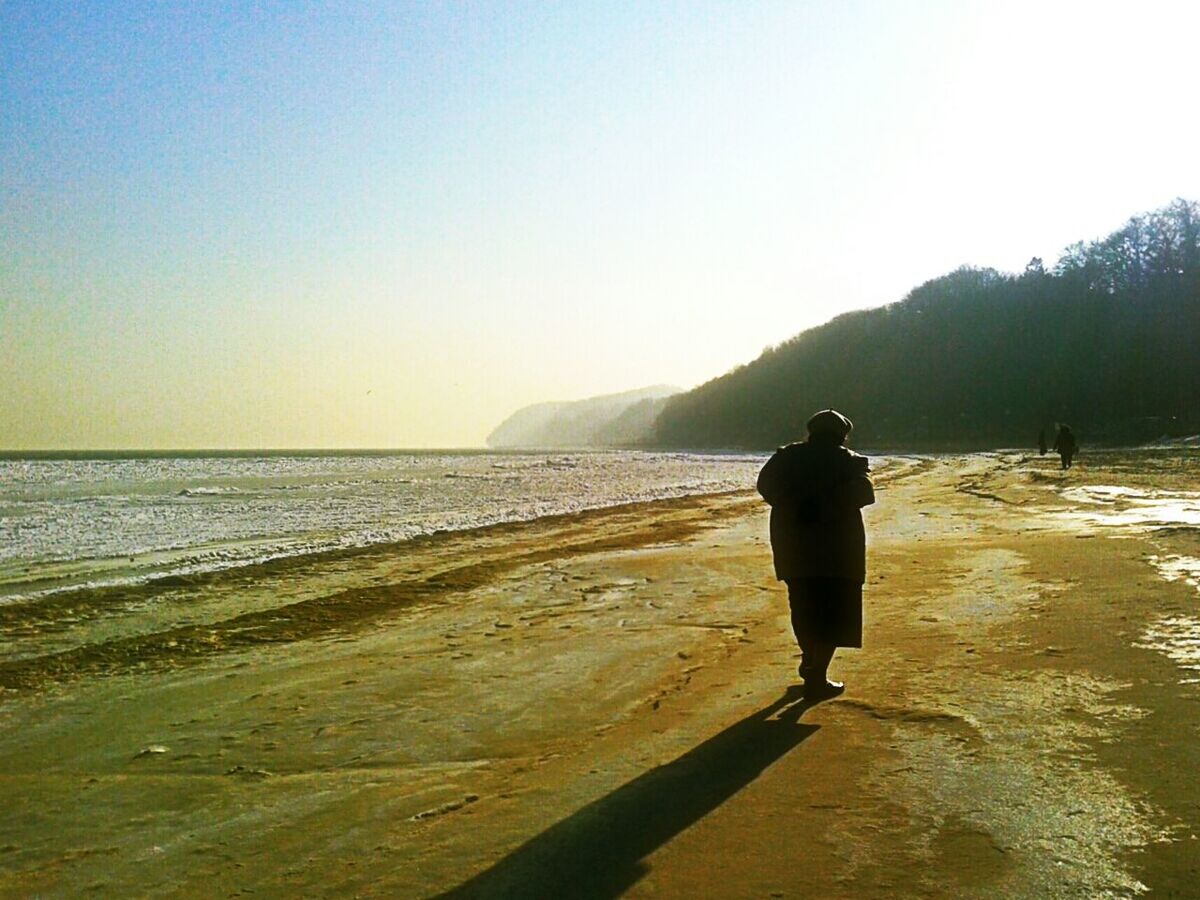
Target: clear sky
286	224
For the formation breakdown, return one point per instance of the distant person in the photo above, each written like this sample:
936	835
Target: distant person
1065	445
1042	442
816	489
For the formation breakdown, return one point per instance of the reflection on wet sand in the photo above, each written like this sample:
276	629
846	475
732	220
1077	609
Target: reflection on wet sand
1179	638
1117	506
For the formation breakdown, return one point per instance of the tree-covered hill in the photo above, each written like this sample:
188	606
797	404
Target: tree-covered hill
1107	340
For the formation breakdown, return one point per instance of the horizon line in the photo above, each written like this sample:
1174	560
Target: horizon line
150	451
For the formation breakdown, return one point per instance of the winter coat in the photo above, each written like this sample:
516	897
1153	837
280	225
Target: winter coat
816	491
1064	442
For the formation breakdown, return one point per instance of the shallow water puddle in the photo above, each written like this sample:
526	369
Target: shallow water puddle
1178	568
1132	506
1178	637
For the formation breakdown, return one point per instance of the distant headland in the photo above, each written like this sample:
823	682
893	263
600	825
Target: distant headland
1107	339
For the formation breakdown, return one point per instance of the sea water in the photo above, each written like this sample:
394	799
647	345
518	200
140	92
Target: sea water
114	519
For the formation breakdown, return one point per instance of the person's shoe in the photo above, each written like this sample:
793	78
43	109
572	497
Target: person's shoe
822	690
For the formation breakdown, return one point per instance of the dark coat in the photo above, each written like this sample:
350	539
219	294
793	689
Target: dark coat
1064	442
816	491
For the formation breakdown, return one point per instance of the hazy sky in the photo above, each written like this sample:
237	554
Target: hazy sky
390	225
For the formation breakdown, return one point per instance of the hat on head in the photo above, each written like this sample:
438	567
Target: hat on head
830	422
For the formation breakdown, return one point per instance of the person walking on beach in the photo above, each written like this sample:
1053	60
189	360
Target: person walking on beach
816	490
1065	445
1042	442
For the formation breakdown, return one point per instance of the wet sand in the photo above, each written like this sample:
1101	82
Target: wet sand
605	705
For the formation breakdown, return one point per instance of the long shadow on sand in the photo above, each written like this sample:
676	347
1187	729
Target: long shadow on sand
598	851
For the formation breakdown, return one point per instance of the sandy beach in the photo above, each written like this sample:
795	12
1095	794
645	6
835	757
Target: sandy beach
606	705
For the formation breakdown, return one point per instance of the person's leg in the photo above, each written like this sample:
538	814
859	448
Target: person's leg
808	601
817	685
815	662
795	602
799	600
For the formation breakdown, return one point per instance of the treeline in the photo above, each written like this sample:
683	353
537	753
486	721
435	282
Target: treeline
1108	340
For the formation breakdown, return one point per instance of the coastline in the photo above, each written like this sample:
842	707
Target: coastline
219	610
609	694
77	525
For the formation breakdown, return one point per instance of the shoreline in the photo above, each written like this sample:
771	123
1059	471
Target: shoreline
608	708
74	525
272	564
434	556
